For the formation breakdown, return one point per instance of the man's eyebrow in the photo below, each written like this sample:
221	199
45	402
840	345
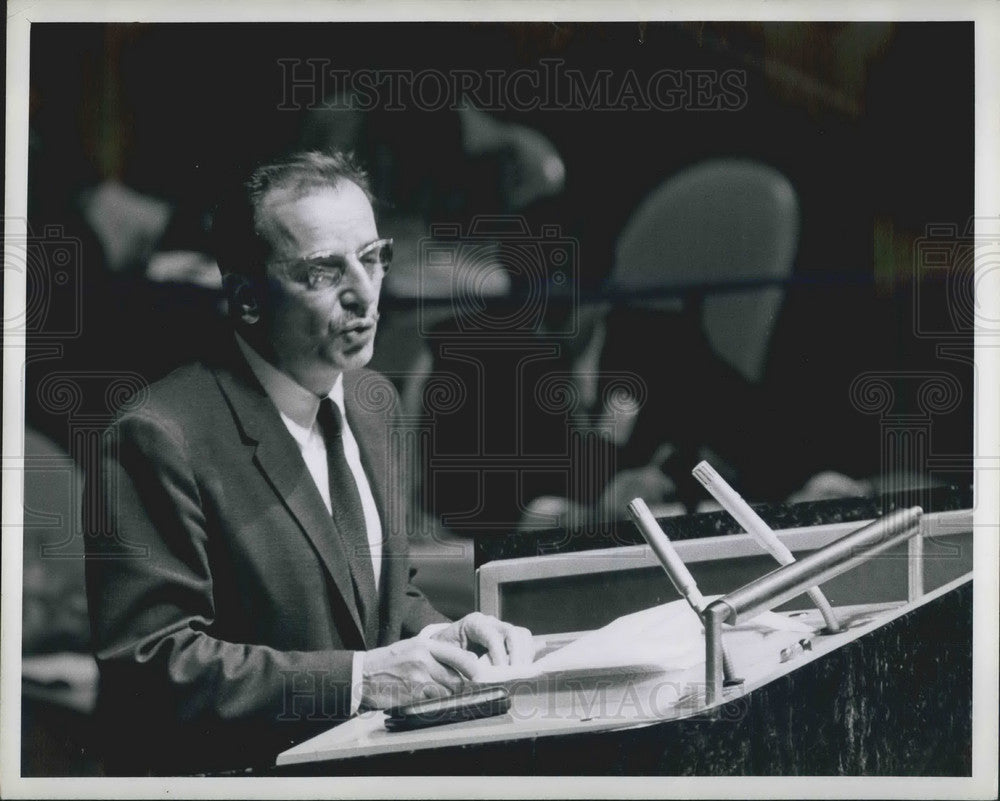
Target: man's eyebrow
326	254
321	254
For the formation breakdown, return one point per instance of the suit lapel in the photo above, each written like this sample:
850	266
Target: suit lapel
277	456
371	425
371	431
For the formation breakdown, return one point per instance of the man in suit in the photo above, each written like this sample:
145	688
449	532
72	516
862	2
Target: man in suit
248	584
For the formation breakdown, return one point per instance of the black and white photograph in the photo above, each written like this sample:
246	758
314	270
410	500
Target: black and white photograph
501	400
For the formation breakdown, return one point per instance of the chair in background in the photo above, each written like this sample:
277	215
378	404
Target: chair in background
700	348
718	222
58	671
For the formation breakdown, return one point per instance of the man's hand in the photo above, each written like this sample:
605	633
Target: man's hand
504	643
648	483
413	670
828	485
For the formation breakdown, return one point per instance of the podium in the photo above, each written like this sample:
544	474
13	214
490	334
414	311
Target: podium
890	694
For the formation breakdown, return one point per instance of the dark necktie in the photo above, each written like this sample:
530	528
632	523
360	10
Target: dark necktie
349	518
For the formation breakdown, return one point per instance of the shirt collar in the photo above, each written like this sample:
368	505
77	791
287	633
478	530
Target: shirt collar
291	398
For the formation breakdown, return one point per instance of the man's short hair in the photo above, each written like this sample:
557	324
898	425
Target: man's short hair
240	245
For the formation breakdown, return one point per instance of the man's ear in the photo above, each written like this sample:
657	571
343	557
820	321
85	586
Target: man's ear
243	302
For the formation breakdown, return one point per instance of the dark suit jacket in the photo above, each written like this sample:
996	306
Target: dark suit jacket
224	615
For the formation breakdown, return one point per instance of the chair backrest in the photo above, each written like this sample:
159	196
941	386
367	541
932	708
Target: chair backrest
719	221
54	596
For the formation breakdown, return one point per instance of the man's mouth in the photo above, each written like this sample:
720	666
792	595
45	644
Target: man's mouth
361	325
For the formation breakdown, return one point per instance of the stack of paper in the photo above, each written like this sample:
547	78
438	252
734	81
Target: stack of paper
664	638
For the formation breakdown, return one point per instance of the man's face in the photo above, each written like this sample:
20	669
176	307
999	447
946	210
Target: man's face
316	330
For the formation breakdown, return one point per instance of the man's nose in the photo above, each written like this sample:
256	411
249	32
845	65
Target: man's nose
358	290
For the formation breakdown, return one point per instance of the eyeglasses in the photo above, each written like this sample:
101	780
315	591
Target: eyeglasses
326	272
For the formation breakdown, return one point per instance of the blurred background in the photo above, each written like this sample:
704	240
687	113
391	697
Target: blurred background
634	282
